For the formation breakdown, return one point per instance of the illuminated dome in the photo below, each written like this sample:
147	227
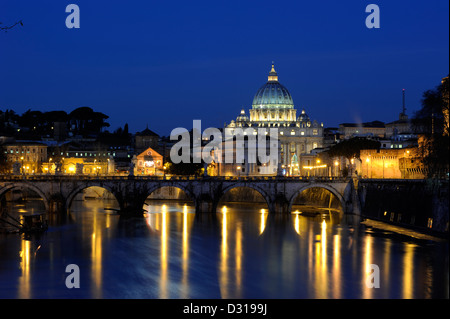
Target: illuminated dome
303	117
273	94
242	117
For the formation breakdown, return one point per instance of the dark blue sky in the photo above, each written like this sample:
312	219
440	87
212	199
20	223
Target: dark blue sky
166	63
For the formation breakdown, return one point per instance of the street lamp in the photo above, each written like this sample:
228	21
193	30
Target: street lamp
23	171
336	164
317	168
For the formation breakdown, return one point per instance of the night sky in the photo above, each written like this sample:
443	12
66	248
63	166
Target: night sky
165	63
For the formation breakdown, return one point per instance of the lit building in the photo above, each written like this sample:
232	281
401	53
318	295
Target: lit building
392	163
149	162
145	139
374	129
273	107
28	155
79	166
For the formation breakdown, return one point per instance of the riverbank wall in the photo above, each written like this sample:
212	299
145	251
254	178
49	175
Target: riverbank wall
422	204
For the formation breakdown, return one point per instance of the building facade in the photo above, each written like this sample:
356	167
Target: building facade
273	107
149	162
392	163
28	156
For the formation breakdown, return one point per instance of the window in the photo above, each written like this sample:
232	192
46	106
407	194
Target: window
302	133
315	131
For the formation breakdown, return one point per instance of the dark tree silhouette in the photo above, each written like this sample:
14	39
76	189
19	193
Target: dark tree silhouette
351	148
430	123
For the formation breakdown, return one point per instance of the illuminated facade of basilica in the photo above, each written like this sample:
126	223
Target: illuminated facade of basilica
273	107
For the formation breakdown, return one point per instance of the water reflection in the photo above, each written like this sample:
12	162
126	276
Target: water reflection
24	279
239	252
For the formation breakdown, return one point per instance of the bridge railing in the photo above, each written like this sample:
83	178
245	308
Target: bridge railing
43	177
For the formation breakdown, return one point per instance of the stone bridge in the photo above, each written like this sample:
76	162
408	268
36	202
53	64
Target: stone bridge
131	192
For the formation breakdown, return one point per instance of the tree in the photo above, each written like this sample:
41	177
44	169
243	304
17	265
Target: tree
351	148
431	124
184	168
88	122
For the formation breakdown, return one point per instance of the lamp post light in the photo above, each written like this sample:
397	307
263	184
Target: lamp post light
317	167
336	168
23	169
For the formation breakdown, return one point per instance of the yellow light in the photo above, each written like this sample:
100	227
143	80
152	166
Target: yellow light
336	163
297	224
71	168
367	160
318	161
224	209
262	224
313	167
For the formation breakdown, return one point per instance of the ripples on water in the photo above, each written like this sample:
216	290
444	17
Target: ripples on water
239	252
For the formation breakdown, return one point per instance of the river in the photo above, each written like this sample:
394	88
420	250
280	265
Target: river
239	252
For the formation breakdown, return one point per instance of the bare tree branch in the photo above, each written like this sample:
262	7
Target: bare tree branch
6	28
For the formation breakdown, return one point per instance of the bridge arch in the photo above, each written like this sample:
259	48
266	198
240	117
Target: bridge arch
173	194
256	188
187	192
329	188
80	188
28	186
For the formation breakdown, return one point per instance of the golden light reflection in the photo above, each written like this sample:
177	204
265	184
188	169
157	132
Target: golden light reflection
263	219
367	292
24	280
96	256
337	285
185	254
387	261
297	224
223	257
321	268
408	272
238	258
164	261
